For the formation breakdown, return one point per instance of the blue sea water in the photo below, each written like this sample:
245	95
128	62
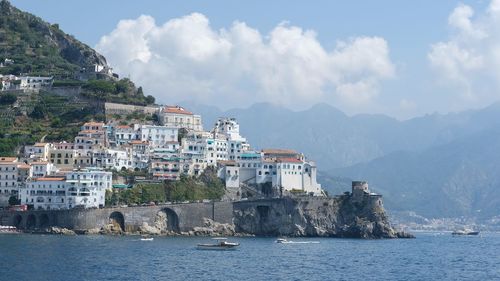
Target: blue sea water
431	256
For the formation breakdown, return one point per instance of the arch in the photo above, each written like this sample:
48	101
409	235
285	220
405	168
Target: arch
31	222
4	220
44	220
18	219
167	220
117	218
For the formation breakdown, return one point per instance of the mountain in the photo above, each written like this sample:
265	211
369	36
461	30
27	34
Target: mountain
335	140
39	48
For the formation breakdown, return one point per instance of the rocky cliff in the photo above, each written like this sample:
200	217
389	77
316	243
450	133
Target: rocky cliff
343	216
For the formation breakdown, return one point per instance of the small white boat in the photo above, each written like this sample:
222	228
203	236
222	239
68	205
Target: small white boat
221	244
465	232
282	241
146	238
285	241
5	229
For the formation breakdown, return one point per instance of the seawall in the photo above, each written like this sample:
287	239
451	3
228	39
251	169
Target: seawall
175	217
342	216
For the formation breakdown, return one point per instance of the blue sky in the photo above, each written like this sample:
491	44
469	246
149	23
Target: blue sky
409	83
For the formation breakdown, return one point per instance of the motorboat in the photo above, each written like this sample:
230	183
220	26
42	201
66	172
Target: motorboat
282	241
146	238
285	241
222	244
465	232
5	229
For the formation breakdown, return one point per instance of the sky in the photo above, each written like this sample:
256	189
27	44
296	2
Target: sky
400	58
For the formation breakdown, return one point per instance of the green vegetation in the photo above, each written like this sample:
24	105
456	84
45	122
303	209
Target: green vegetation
188	188
38	48
121	91
7	99
57	118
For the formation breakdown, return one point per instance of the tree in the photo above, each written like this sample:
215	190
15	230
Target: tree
8	99
38	112
149	99
182	134
100	86
122	86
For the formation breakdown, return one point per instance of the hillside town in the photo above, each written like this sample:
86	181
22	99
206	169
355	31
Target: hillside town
65	175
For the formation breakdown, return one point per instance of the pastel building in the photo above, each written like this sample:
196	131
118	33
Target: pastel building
8	179
179	117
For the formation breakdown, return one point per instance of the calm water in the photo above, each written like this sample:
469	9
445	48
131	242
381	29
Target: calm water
429	257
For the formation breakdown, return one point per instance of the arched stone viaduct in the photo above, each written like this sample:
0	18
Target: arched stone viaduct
177	217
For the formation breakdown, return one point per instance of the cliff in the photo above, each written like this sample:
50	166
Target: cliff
343	216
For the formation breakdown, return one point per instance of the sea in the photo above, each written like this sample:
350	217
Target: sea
431	256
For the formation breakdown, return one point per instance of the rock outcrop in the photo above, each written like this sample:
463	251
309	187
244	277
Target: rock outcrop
213	228
59	231
343	216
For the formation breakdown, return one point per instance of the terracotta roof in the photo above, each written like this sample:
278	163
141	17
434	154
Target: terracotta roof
90	132
176	109
23	166
278	151
289	160
138	142
38	144
226	162
40	163
50	179
123	127
8	159
93	124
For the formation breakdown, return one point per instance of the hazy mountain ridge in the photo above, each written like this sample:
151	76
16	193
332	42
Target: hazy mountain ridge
455	179
335	140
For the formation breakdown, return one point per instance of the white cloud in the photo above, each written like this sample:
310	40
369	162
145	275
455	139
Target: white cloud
185	59
469	61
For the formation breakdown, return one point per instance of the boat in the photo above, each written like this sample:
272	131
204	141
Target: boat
285	241
282	241
465	232
6	229
221	244
146	238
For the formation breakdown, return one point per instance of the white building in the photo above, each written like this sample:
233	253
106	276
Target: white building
45	193
83	188
124	134
178	117
35	83
285	174
42	169
38	151
87	187
158	136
